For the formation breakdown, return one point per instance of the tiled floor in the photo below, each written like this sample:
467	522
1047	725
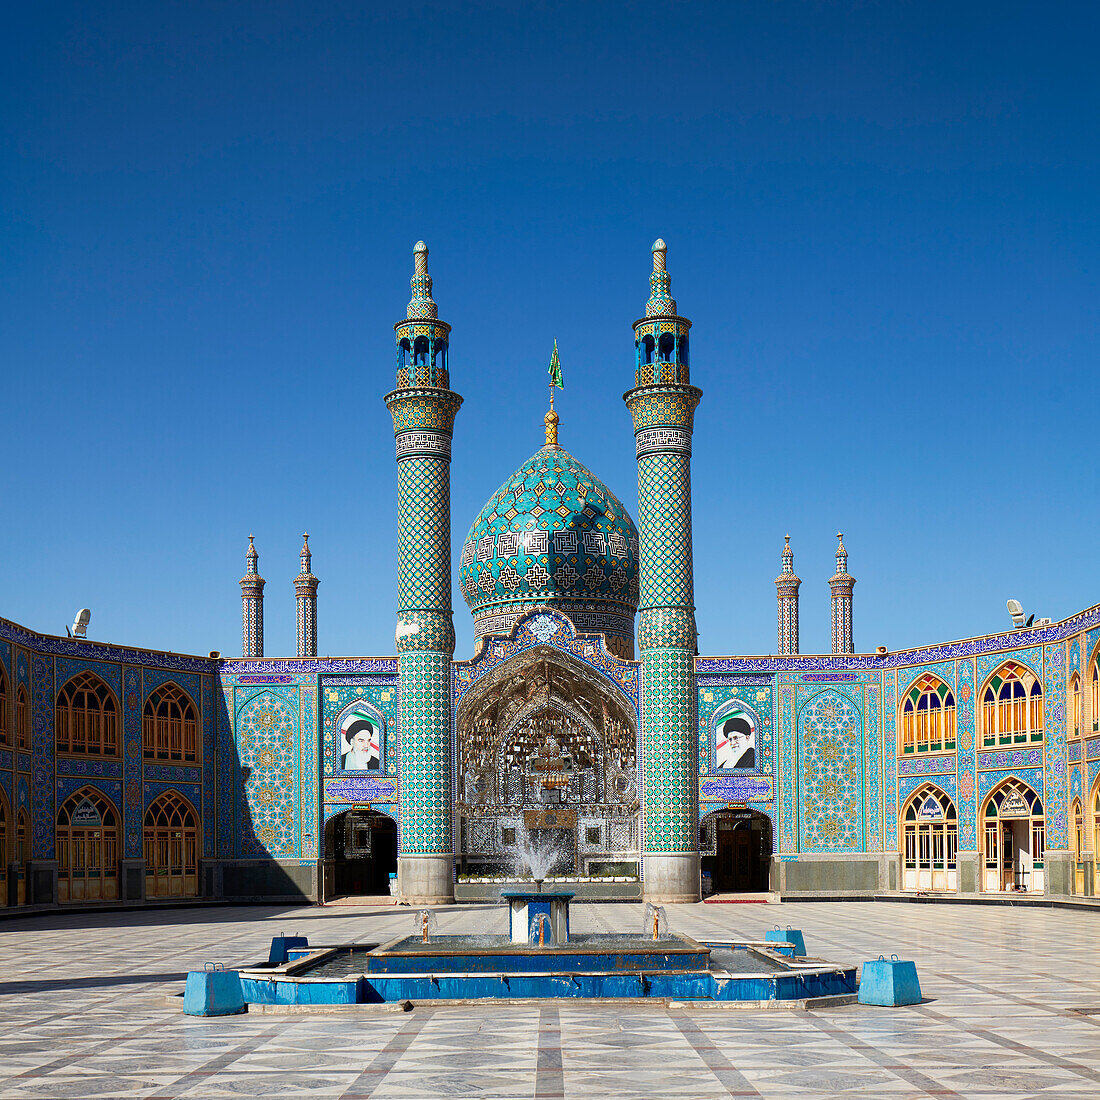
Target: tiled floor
1012	1010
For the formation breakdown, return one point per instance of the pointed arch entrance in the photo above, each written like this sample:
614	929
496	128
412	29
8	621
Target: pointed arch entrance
87	847
546	746
360	853
1014	839
929	841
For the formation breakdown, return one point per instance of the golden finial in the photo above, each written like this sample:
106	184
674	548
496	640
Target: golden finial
551	420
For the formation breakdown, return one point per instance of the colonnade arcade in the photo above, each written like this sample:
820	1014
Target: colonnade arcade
546	749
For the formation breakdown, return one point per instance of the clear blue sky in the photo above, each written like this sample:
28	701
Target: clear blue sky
882	219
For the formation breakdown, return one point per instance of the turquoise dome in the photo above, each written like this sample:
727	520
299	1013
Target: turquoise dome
554	534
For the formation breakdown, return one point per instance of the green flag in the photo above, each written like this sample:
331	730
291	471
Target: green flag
555	369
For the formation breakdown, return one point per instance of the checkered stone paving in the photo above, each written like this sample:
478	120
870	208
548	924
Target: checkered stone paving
1012	1010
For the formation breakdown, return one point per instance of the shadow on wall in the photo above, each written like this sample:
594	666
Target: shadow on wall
261	744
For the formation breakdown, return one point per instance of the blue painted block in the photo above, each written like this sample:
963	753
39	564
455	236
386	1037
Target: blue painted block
213	993
280	945
790	935
889	982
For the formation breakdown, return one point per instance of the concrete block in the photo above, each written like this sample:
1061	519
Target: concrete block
280	945
213	993
889	982
787	935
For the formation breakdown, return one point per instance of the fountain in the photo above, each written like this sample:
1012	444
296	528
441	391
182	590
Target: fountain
541	957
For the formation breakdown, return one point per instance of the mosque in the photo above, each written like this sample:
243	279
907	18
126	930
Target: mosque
585	723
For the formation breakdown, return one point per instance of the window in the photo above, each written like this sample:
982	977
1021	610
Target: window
1096	694
86	717
169	726
1096	833
5	728
928	717
1012	707
508	838
22	720
87	848
930	840
1015	839
1075	705
592	834
171	848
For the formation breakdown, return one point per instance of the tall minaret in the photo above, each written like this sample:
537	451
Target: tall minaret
423	409
842	583
305	589
252	605
786	594
663	407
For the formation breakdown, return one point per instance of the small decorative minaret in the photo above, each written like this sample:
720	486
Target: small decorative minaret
252	605
423	410
786	594
842	583
662	405
305	589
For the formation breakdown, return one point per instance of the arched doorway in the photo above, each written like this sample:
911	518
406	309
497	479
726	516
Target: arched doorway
362	848
929	841
171	848
1014	839
3	849
87	848
546	747
736	851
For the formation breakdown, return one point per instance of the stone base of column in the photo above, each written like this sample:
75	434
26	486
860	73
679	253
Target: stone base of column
426	880
1060	867
670	878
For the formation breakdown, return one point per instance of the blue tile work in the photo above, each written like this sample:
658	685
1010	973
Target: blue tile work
267	723
890	752
1056	801
1033	777
830	770
309	773
966	740
382	693
42	739
927	765
133	806
908	784
788	802
988	663
109	672
873	767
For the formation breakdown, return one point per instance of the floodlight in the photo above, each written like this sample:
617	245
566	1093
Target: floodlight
1016	610
80	623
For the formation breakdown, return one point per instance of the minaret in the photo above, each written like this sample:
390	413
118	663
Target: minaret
842	583
786	594
662	405
423	410
305	589
252	605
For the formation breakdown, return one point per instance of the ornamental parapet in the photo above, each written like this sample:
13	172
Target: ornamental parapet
423	408
663	406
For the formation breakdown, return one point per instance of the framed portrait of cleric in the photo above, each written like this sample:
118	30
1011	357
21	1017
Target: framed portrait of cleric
361	738
735	729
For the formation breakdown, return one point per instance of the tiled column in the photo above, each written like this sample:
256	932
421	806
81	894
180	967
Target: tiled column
423	410
663	414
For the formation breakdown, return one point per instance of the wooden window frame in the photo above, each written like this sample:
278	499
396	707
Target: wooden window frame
170	726
1011	708
927	723
87	730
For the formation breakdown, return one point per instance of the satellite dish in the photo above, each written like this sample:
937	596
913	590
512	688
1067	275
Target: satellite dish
1016	610
80	623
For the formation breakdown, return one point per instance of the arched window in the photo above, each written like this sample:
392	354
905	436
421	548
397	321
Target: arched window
666	347
404	351
87	848
1015	839
420	351
22	719
1096	836
647	349
1012	707
5	727
171	848
1077	840
1075	705
86	717
169	725
1095	692
22	853
927	720
929	840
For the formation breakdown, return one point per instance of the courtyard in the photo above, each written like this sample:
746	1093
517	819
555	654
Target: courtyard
1012	1009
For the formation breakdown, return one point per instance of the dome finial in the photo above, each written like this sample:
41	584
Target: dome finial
660	250
551	420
